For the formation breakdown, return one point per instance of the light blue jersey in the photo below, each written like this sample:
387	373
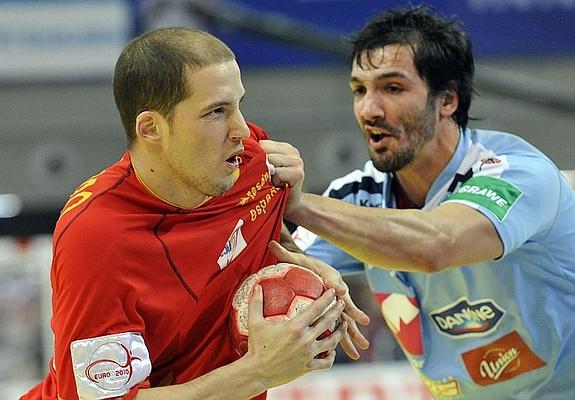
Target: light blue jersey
503	329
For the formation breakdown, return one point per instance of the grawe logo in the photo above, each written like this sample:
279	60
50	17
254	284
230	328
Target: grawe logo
111	366
468	318
501	360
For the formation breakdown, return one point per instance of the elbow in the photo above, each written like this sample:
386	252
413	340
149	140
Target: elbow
438	255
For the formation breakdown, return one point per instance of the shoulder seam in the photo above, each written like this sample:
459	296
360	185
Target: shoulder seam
118	182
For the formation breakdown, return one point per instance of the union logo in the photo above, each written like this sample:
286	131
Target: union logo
501	360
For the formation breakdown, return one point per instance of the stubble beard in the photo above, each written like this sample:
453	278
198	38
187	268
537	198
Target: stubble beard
418	129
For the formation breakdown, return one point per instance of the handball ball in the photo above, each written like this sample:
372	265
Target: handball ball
287	290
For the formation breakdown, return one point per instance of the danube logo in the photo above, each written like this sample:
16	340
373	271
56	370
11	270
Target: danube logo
233	247
465	318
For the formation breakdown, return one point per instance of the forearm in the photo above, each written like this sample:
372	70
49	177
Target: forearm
240	380
407	240
287	241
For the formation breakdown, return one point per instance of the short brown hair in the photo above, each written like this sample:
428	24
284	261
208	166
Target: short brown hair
150	73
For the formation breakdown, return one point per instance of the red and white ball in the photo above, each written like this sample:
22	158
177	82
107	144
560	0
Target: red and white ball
287	290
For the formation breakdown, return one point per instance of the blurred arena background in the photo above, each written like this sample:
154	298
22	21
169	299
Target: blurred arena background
59	126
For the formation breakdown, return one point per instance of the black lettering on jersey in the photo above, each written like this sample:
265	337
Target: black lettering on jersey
367	184
458	180
366	203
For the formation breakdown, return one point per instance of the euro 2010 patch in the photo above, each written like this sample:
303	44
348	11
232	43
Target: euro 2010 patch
495	195
109	366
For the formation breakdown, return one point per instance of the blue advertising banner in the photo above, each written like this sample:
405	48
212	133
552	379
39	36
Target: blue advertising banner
62	39
496	27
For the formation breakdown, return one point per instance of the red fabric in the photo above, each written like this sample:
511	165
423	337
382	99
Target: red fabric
134	391
125	261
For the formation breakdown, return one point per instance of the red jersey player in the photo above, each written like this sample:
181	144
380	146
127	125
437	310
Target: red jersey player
148	253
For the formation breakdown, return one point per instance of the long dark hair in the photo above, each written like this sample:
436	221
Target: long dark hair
442	51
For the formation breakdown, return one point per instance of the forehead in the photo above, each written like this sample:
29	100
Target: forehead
215	82
391	58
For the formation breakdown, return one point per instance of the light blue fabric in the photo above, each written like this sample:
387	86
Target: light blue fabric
529	291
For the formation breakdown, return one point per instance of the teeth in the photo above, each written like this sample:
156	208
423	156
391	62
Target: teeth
234	160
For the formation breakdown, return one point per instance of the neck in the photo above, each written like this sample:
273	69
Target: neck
416	178
152	174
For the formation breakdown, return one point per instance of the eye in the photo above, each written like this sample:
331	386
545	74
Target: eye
358	90
394	89
217	111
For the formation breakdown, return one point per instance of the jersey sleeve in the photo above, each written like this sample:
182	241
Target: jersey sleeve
100	351
518	194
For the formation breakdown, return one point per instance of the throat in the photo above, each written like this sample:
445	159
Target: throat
402	200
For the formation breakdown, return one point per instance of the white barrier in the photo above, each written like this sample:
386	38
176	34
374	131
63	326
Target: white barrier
360	381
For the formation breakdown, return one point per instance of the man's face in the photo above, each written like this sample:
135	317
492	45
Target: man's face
206	133
392	106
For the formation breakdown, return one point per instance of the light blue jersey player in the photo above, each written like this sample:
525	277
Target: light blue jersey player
503	329
467	236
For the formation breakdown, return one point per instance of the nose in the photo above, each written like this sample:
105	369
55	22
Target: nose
369	107
238	128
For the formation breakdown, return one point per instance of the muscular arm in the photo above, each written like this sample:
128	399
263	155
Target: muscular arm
450	235
238	380
277	354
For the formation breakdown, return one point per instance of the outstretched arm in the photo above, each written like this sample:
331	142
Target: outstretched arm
450	235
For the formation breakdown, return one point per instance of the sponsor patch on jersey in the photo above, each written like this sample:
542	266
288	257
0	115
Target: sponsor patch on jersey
233	247
495	195
493	164
501	360
109	366
448	387
464	318
402	315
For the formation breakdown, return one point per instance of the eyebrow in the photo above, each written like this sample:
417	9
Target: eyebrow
223	103
382	76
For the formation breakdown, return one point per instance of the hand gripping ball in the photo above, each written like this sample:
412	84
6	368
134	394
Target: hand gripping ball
287	290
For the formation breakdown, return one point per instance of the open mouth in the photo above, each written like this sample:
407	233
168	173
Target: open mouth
376	137
234	161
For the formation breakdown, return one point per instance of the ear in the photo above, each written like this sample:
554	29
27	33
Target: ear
149	126
449	101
